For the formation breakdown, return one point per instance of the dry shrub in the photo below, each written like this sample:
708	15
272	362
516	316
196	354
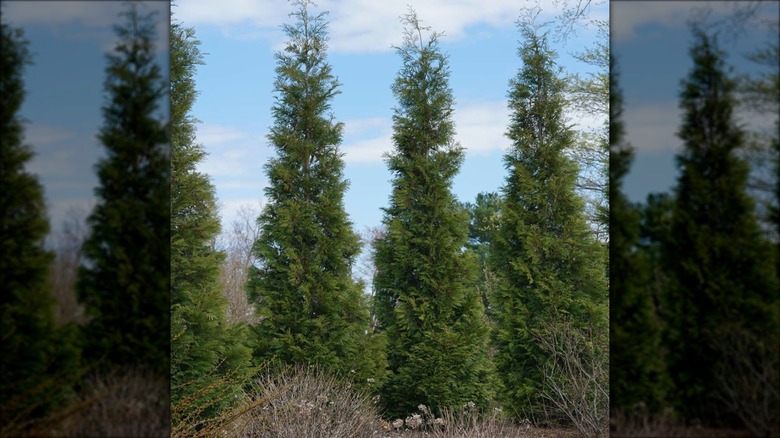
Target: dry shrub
747	378
576	379
304	401
123	402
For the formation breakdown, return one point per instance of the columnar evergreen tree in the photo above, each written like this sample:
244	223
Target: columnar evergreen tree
35	352
720	263
125	283
206	353
437	336
636	367
550	268
312	309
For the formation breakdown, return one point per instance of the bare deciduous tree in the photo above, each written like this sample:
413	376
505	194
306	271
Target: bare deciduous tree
67	242
237	244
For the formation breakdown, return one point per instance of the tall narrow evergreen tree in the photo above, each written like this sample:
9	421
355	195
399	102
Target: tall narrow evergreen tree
312	309
636	367
720	263
35	352
125	283
437	336
550	267
206	354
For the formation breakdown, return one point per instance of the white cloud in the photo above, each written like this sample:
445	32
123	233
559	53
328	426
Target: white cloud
89	14
229	208
627	17
94	20
652	127
370	150
358	25
38	134
366	140
480	126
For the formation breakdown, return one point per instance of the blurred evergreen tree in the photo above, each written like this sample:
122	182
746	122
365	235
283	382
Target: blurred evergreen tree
38	358
720	264
636	366
125	282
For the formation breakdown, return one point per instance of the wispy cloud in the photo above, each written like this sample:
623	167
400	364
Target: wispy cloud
38	134
357	26
480	126
652	127
85	20
628	17
233	152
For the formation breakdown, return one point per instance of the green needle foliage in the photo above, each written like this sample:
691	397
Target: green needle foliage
206	353
636	367
312	309
125	283
434	320
722	267
35	353
549	264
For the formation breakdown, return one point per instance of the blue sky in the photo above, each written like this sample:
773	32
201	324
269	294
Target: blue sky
68	41
239	37
651	41
236	95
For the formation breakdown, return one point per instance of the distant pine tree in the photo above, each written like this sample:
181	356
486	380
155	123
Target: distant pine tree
433	318
208	357
721	265
550	268
37	357
125	282
311	308
636	366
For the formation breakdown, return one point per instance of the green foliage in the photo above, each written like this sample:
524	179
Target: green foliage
635	333
548	263
720	264
125	283
37	356
484	221
311	309
433	319
204	348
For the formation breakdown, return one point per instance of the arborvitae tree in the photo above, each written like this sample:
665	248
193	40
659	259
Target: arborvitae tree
208	357
721	265
35	353
636	367
312	309
437	336
550	267
125	283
